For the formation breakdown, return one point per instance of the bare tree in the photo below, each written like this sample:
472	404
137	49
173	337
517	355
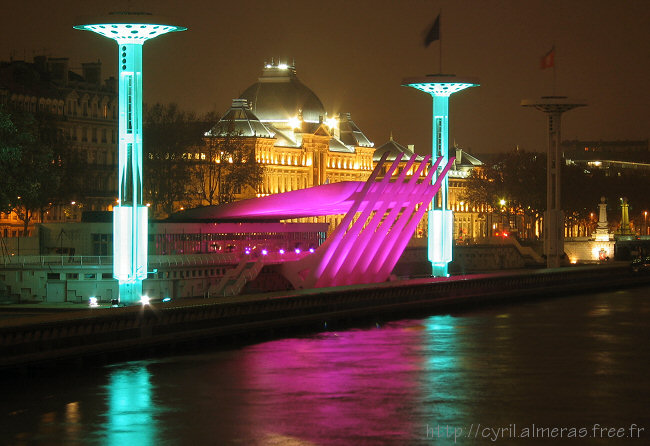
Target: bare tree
37	167
227	166
170	140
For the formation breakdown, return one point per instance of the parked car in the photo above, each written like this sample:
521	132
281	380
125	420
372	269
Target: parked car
641	264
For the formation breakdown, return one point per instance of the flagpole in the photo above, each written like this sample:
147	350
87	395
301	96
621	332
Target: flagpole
554	65
433	34
440	39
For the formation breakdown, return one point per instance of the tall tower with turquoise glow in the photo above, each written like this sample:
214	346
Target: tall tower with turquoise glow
441	218
130	30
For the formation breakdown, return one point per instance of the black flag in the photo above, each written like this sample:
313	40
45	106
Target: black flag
433	33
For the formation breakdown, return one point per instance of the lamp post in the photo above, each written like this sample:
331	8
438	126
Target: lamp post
130	30
553	107
504	209
441	218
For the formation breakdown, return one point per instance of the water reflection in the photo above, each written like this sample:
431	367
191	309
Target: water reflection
72	422
48	424
564	362
441	383
351	385
131	414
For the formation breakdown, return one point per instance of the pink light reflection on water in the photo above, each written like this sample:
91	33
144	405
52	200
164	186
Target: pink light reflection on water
339	386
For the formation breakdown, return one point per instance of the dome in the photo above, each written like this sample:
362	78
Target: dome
278	95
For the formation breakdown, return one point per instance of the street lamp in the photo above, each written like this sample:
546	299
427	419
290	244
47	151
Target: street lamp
441	218
504	209
130	30
553	107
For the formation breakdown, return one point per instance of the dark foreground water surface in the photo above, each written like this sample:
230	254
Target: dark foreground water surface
574	370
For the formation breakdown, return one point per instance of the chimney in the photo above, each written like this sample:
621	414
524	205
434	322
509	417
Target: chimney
92	72
58	69
40	63
337	129
111	84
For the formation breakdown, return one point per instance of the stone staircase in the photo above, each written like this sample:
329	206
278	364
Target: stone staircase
234	281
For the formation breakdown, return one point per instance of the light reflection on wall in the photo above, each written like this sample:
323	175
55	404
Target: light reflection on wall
130	418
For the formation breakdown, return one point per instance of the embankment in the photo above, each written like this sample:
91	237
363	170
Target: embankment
109	332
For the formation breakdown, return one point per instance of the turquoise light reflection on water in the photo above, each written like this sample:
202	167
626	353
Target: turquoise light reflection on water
441	393
563	362
131	413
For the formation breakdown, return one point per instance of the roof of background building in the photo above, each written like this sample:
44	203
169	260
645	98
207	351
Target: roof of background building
351	134
278	95
50	77
241	121
393	148
269	107
466	160
336	145
286	138
627	151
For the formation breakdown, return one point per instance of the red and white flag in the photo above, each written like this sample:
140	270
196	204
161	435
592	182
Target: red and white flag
548	60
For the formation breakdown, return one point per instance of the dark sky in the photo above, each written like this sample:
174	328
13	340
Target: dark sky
354	54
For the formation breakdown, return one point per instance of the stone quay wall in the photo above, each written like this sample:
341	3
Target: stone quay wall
105	332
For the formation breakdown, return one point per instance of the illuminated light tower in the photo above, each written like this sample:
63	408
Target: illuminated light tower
441	218
130	30
553	106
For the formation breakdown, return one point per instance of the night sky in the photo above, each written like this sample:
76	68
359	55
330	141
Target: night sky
354	54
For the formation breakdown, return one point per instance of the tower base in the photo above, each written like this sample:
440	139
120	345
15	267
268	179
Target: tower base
441	226
130	293
440	270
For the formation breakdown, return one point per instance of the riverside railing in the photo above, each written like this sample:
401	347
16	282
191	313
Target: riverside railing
154	260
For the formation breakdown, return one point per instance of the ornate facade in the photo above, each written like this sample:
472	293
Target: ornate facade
300	145
296	141
85	110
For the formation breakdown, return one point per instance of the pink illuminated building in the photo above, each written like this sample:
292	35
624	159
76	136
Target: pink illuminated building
381	216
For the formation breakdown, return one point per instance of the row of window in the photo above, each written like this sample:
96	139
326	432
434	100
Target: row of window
283	182
81	107
105	110
187	274
75	276
183	274
42	105
89	134
214	236
342	163
15	233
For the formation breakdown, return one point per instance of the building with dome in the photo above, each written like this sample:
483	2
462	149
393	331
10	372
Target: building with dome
300	144
296	140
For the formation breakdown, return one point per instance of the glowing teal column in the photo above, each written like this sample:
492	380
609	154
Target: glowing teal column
130	30
441	218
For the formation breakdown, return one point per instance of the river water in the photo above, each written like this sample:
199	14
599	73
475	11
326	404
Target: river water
574	370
